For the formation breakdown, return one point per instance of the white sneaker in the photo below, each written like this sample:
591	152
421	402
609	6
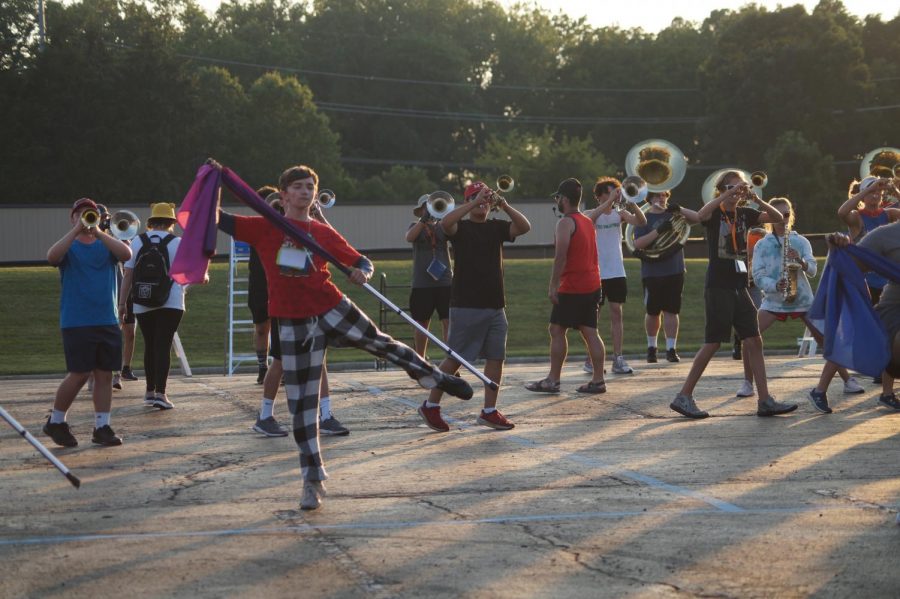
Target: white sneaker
746	389
851	385
588	367
313	491
620	366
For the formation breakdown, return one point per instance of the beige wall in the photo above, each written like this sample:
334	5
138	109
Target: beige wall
29	231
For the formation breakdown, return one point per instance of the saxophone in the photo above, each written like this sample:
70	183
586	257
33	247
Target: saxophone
790	269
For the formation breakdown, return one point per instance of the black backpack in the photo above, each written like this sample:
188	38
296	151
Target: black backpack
151	284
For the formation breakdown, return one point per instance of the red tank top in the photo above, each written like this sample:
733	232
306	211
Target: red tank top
582	271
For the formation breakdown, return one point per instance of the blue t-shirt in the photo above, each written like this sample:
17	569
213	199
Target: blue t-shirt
89	289
673	265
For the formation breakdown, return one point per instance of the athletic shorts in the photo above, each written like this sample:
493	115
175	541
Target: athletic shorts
274	340
425	301
783	316
259	307
663	294
890	317
727	309
478	333
129	312
576	310
93	348
614	290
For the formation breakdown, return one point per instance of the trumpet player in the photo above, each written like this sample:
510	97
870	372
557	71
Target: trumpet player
92	341
478	324
782	262
728	303
608	217
432	275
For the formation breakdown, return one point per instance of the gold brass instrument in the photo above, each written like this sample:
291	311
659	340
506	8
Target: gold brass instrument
505	183
880	162
790	269
124	225
326	198
655	165
90	218
759	179
439	204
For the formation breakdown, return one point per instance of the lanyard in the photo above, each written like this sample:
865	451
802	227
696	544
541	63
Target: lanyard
732	224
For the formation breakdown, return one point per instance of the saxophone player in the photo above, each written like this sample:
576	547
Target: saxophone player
783	261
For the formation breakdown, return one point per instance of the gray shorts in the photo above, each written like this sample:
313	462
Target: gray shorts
478	333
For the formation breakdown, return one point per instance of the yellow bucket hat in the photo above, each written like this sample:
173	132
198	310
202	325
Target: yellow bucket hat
163	210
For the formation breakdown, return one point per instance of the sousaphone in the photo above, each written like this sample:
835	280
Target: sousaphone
883	163
661	166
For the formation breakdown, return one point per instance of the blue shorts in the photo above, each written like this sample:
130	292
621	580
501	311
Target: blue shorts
93	348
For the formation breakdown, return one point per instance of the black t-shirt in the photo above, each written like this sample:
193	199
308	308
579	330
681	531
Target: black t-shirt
478	264
726	242
258	292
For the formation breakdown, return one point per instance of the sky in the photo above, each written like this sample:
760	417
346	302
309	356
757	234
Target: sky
654	15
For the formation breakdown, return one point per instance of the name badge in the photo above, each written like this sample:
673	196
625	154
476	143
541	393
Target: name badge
436	269
293	262
740	266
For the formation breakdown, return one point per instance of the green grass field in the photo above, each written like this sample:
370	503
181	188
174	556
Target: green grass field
31	341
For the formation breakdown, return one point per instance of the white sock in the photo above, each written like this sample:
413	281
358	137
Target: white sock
428	404
651	341
266	408
57	416
489	410
101	419
670	342
324	407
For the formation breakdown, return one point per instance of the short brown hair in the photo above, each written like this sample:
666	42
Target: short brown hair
297	173
605	184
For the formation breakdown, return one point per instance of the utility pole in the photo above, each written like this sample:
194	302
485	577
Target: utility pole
41	25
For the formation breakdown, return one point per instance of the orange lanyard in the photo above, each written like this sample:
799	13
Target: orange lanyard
732	225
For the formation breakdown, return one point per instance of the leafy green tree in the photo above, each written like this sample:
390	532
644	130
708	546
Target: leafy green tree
799	170
397	185
538	162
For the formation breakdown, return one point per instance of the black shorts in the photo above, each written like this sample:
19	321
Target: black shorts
663	294
274	340
129	311
614	290
727	309
93	348
576	310
259	307
424	301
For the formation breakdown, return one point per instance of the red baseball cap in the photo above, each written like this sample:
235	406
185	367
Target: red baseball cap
473	190
84	203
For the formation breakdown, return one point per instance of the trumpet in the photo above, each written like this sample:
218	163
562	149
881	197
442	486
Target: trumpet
326	198
439	204
505	183
90	218
124	225
759	179
634	190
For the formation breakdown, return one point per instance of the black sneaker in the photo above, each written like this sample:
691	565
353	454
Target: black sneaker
770	407
105	436
819	401
888	401
331	426
453	385
672	355
127	374
261	376
736	350
60	433
651	355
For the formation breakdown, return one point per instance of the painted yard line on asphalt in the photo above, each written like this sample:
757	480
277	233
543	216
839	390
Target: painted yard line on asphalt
587	461
510	519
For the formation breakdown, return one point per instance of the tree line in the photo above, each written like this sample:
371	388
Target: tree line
389	100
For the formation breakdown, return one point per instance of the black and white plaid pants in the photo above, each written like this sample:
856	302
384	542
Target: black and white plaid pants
303	344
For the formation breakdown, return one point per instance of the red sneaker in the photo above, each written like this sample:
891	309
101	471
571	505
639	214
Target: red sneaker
495	420
432	417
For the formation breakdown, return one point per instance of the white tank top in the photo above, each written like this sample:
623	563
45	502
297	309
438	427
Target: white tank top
609	245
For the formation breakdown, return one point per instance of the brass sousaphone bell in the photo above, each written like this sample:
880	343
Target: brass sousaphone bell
655	165
439	204
883	163
124	225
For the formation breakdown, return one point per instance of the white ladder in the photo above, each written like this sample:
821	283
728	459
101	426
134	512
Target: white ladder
238	289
